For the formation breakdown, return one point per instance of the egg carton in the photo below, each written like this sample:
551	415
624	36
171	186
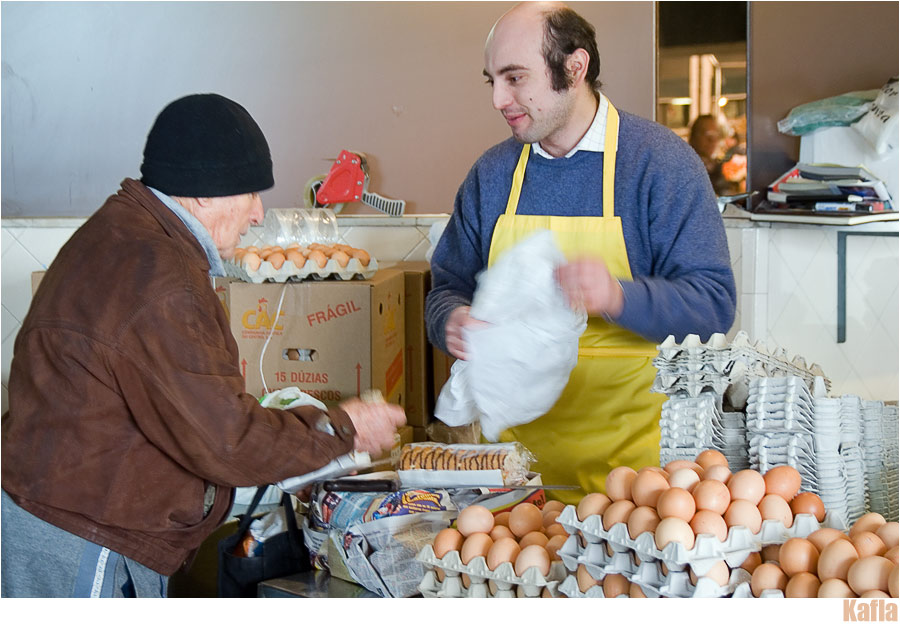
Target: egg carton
569	587
289	272
503	576
707	549
677	584
454	587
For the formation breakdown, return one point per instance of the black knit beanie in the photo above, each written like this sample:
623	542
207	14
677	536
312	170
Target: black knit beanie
206	145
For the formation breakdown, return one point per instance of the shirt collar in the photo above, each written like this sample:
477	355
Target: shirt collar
593	139
216	266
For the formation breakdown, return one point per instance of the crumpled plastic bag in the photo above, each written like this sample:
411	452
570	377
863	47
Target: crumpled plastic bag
517	368
839	110
879	124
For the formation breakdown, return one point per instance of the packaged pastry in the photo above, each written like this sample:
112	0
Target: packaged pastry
512	459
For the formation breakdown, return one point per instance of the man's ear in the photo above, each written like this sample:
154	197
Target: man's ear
576	66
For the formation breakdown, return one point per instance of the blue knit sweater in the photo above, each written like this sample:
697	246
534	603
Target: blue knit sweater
677	250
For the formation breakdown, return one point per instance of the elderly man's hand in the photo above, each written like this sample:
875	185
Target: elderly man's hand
375	424
456	343
587	284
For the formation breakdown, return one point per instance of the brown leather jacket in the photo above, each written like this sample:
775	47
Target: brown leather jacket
126	399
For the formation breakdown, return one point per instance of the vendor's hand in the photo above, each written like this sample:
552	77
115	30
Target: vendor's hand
588	285
375	424
456	343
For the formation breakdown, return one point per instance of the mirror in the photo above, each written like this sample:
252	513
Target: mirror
701	84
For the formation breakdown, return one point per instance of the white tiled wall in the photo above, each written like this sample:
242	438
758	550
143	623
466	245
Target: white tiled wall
786	283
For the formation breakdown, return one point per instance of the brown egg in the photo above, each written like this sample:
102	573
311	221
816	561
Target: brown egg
782	480
835	588
502	518
808	503
276	259
835	560
674	530
719	573
475	519
556	529
717	472
318	257
361	255
584	578
615	585
802	585
684	478
553	545
743	513
798	555
617	512
676	502
712	496
894	581
618	483
709	523
502	551
867	543
868	573
341	258
499	532
711	457
752	562
747	485
824	536
647	486
533	556
553	505
874	593
775	507
238	254
767	576
251	261
593	504
533	537
642	520
679	464
893	554
475	545
446	540
549	517
770	553
871	521
525	518
889	532
297	258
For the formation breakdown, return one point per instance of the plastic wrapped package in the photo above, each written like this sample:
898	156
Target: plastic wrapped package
839	110
520	363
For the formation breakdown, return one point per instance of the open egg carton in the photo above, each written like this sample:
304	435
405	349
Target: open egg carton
482	581
707	549
303	231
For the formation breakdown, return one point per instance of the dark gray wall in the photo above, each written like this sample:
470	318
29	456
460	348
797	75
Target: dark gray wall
401	81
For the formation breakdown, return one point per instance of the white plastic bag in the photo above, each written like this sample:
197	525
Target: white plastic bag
519	365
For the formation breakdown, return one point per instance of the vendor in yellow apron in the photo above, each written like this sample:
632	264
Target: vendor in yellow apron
606	415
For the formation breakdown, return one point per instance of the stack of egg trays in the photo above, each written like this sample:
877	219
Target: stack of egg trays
508	585
831	476
289	272
880	434
852	456
639	560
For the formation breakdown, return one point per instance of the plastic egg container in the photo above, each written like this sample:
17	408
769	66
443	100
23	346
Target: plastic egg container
328	263
484	582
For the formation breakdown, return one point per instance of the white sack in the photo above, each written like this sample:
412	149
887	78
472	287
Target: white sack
518	366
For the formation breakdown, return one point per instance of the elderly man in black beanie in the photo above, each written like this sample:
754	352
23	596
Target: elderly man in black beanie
128	427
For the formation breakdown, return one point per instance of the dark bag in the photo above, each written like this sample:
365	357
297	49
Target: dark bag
282	555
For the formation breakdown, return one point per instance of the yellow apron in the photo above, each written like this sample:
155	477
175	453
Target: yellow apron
606	415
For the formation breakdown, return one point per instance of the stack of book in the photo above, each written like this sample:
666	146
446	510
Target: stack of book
829	188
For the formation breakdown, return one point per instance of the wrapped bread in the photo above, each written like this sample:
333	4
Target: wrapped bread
512	459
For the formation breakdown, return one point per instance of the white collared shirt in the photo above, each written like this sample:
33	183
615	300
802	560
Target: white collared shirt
593	139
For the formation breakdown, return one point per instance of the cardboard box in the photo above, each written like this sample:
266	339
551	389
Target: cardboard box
419	404
441	364
332	339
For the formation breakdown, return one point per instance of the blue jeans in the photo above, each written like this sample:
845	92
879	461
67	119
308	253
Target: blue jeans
40	560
